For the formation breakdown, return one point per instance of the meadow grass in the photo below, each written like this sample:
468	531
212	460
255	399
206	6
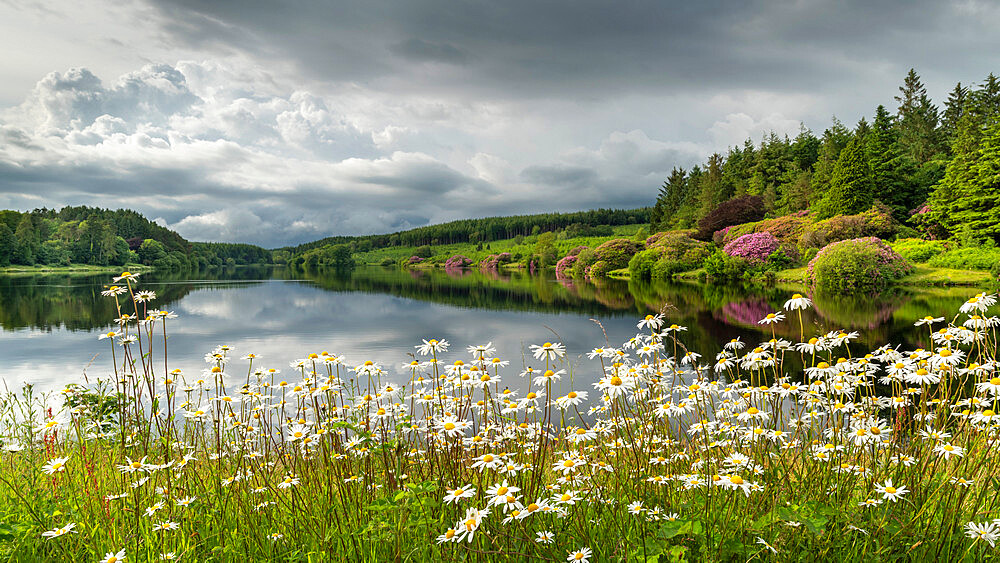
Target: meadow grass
523	245
863	455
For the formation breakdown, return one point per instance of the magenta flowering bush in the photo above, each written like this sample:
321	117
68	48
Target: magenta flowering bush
494	261
861	265
457	261
754	247
414	260
565	265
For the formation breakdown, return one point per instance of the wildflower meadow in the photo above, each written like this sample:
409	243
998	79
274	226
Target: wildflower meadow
647	451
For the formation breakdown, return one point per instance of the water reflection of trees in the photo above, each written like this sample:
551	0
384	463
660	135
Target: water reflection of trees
73	301
713	313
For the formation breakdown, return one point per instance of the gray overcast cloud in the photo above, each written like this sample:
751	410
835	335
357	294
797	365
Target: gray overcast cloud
281	122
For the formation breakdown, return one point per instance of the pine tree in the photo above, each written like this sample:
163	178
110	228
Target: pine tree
954	109
889	168
851	183
713	188
687	213
946	199
984	102
918	120
835	138
979	207
669	201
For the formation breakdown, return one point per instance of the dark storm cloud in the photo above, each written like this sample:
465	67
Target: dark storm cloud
522	47
419	50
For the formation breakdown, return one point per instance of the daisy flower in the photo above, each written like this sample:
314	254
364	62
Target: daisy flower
56	532
455	495
891	492
987	532
548	351
797	302
114	557
55	465
581	555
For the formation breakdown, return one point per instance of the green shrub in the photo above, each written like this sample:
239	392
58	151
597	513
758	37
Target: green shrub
974	258
863	265
723	267
668	253
641	265
876	222
387	261
585	260
788	229
917	250
600	269
616	253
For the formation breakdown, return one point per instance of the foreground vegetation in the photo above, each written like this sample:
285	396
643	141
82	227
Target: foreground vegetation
650	452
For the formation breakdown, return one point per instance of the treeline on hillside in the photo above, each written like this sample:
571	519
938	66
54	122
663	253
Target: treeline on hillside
487	229
104	237
918	155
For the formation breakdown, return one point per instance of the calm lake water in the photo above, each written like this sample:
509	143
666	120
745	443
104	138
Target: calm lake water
49	324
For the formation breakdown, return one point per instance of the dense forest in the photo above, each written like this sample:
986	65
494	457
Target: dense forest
936	169
102	237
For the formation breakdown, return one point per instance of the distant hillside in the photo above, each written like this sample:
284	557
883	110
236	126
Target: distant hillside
105	237
486	229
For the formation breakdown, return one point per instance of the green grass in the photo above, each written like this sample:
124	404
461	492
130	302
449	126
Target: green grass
470	250
74	268
929	275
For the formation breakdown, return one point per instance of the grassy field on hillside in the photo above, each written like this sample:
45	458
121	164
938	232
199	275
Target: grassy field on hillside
524	246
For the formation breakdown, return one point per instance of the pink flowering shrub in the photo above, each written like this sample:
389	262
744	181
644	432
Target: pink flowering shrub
754	248
494	261
565	265
862	265
414	260
457	261
787	228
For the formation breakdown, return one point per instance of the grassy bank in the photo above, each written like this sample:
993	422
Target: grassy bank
74	269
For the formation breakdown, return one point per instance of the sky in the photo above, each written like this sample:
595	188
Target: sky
281	122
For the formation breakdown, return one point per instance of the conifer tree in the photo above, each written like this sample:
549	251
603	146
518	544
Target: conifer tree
954	109
835	138
944	201
889	168
851	183
918	120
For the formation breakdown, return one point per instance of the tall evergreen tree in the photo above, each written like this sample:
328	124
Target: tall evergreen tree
669	200
851	183
889	168
805	149
984	102
954	108
835	138
947	198
713	187
918	120
687	213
